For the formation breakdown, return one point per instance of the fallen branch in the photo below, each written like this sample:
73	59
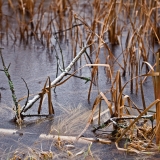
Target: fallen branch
85	140
74	139
59	78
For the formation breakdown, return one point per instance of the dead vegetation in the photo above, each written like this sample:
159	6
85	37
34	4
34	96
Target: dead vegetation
133	25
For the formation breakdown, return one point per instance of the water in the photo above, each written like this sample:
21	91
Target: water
34	63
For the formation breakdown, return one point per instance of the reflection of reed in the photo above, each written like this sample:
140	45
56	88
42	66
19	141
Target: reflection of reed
106	18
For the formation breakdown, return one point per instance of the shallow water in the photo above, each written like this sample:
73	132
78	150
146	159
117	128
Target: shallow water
35	63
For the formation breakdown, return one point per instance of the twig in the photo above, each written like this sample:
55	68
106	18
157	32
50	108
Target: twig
56	67
115	119
27	95
135	107
56	38
36	115
67	28
10	83
89	59
84	78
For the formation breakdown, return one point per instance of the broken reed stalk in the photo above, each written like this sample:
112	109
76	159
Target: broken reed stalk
74	139
113	24
48	91
59	78
115	120
156	83
5	69
157	96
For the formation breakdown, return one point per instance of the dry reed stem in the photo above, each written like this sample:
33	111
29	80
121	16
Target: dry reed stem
96	102
108	103
157	128
130	149
93	77
156	84
157	96
11	4
84	140
145	111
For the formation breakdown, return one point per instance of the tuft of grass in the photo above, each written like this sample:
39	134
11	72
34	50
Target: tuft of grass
71	120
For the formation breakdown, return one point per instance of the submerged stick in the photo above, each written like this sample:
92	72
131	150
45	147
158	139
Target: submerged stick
84	140
59	78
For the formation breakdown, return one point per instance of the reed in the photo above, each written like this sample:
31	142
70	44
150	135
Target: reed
103	28
113	23
1	4
157	96
11	5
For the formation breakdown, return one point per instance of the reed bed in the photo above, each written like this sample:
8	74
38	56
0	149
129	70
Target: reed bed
132	25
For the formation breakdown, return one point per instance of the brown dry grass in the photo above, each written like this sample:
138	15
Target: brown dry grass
107	22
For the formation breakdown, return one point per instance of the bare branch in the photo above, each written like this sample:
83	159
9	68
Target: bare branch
27	95
60	77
